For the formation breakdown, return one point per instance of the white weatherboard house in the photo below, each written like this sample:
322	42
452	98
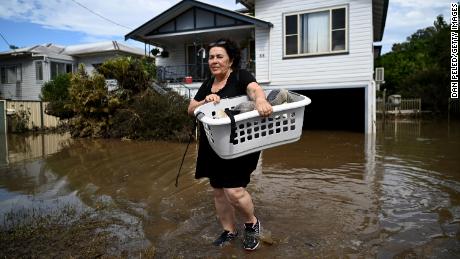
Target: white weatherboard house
323	49
23	71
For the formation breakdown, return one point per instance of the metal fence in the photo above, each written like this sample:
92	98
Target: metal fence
454	106
178	73
406	106
38	118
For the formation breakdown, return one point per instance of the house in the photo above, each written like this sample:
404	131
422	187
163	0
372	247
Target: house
23	71
323	49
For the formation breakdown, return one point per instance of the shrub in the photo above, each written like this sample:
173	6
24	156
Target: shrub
134	110
56	92
20	120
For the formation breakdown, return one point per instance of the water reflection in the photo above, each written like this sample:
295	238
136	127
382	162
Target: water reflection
331	194
3	149
16	148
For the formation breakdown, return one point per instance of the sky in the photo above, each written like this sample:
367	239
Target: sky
26	23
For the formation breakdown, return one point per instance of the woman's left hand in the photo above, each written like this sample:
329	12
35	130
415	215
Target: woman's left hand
263	107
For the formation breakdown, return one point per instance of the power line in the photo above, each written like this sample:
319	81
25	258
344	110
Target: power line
107	19
7	43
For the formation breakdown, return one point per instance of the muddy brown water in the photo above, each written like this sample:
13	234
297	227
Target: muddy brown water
331	194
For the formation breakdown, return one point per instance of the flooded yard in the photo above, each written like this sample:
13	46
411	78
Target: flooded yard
331	194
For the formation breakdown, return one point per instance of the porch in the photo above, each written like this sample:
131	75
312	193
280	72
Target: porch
180	35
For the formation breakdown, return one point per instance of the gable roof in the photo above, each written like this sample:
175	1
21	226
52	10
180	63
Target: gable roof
181	7
98	47
54	50
46	49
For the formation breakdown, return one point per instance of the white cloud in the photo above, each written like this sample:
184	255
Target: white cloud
68	15
405	17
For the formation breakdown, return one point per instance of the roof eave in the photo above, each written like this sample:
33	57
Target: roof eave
246	3
380	10
133	34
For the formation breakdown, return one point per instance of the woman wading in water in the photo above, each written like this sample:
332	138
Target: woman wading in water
229	178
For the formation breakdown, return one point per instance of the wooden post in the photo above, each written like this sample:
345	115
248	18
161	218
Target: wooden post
41	115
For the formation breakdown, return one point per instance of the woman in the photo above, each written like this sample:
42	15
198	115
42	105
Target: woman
229	178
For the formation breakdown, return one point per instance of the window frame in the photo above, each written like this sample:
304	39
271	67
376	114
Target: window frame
4	73
299	32
39	76
65	66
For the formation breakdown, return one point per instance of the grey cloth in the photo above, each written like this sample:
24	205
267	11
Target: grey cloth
275	97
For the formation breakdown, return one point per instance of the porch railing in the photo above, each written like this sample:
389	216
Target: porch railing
178	73
199	73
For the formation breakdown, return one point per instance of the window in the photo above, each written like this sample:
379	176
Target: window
60	68
313	33
10	74
38	70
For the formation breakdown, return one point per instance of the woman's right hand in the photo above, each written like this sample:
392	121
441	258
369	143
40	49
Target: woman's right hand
212	98
194	104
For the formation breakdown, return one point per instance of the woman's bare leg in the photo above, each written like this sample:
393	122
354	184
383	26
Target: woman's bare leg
225	210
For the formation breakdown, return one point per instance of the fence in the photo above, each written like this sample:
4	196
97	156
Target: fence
454	106
406	106
38	117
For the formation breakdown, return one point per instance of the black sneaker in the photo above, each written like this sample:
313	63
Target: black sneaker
251	235
224	238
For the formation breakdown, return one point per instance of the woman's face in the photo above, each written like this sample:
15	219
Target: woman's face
219	61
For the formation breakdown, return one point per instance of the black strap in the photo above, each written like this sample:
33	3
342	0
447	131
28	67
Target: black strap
232	125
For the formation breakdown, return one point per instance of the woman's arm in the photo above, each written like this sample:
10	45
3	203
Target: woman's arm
257	94
195	104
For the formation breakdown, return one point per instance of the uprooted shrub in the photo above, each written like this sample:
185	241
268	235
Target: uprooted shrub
133	75
91	103
153	116
141	114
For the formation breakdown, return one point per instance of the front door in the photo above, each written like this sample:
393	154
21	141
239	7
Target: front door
197	62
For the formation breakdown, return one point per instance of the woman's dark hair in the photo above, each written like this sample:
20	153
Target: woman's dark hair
232	49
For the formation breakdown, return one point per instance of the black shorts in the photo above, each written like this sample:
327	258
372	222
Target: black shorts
235	180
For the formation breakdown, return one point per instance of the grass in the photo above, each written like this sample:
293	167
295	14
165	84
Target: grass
62	233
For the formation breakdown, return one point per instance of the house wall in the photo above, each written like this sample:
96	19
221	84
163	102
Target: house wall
176	56
28	88
351	70
342	70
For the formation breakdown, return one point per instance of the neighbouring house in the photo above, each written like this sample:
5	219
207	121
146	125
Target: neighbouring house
23	71
323	49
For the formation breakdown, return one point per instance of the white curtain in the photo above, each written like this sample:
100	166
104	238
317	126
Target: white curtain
315	34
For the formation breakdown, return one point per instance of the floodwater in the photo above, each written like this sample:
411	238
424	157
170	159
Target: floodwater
331	194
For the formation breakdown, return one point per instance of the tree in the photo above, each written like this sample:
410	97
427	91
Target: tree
419	67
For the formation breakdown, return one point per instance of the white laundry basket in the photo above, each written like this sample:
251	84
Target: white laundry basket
253	132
